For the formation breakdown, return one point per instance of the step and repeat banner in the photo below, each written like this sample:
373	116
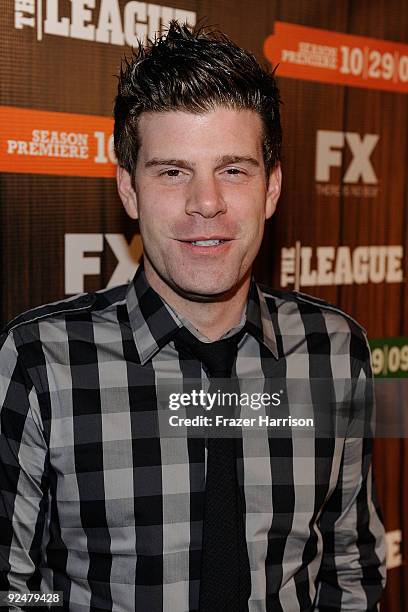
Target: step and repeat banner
341	228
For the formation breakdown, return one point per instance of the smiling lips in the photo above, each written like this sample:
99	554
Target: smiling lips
205	242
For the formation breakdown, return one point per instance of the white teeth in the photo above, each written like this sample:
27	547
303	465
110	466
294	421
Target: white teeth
206	242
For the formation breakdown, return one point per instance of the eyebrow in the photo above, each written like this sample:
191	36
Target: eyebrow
221	161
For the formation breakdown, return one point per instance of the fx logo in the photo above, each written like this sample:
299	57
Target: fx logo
329	154
79	262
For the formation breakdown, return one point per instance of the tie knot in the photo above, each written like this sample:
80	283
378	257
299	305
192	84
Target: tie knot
218	357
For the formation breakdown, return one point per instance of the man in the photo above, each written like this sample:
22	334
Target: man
95	503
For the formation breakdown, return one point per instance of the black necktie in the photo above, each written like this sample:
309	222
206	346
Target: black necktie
225	584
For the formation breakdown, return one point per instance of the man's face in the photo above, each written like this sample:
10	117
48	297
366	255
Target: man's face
200	177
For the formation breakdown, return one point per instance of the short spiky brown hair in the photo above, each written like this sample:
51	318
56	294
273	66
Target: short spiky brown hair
193	70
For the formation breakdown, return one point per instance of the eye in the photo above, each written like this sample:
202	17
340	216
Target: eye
171	172
234	171
235	175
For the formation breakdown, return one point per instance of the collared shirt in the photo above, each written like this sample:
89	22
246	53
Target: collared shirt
95	504
196	332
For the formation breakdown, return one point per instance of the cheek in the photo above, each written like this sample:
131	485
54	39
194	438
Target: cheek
156	223
150	208
248	202
159	206
250	215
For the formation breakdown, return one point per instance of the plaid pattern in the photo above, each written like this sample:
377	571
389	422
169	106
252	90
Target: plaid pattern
94	504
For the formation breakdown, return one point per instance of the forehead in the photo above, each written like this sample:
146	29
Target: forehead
221	131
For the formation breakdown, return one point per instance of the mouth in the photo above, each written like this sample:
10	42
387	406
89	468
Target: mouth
206	242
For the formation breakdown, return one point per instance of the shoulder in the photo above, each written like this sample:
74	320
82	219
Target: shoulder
297	301
71	307
299	314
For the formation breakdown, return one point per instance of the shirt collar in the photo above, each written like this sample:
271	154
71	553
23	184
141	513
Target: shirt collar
196	332
154	323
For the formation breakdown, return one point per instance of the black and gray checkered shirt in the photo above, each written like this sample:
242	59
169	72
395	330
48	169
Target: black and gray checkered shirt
95	504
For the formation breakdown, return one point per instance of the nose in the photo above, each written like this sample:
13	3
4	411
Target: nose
205	197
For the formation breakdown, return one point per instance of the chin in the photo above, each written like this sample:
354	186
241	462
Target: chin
202	292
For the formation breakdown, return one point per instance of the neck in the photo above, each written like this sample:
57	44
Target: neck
212	318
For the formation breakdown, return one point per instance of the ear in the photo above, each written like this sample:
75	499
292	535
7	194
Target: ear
126	192
274	189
